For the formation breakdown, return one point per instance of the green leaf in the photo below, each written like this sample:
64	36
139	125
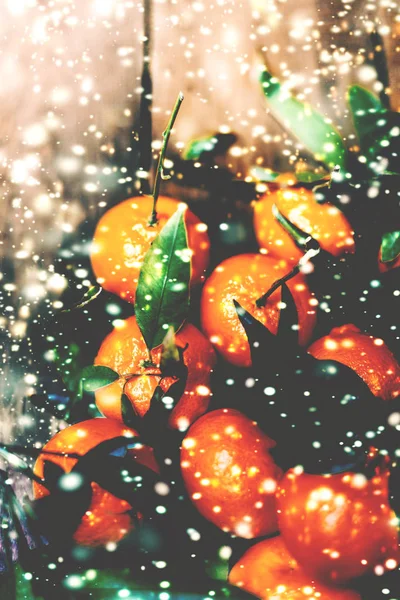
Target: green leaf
312	129
95	377
162	296
67	361
90	295
390	247
263	174
362	102
377	128
212	145
311	176
365	109
15	462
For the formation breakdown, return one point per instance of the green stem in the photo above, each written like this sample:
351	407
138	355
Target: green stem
159	173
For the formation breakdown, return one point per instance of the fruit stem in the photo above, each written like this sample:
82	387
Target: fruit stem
327	184
260	303
312	249
160	167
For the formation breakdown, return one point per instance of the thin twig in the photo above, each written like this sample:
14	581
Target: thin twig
160	166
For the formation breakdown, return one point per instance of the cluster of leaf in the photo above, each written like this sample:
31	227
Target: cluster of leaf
329	162
378	132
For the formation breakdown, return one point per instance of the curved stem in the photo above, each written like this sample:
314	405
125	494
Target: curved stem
260	303
159	173
312	251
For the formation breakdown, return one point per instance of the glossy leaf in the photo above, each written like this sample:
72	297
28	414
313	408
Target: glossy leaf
366	110
312	176
90	295
16	463
214	145
390	247
162	297
95	377
67	361
264	175
312	129
362	102
377	129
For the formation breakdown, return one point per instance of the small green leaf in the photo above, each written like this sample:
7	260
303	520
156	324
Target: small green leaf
90	295
377	129
263	174
17	464
390	247
95	377
366	109
162	296
14	461
361	101
311	176
67	361
214	145
310	127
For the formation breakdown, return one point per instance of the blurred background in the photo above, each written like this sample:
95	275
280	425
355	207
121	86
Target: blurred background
70	91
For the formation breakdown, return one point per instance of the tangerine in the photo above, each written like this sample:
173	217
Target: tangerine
107	519
124	350
245	278
339	526
229	473
123	236
269	571
324	222
369	357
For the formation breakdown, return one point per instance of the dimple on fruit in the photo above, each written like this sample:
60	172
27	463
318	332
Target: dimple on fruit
340	526
369	357
270	572
245	278
107	519
123	236
124	350
229	473
323	221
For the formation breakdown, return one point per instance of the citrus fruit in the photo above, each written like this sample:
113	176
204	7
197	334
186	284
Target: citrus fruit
106	520
124	350
123	236
268	571
338	527
229	473
245	278
324	222
369	357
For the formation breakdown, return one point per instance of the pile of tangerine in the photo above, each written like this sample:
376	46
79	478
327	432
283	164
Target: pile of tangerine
329	529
